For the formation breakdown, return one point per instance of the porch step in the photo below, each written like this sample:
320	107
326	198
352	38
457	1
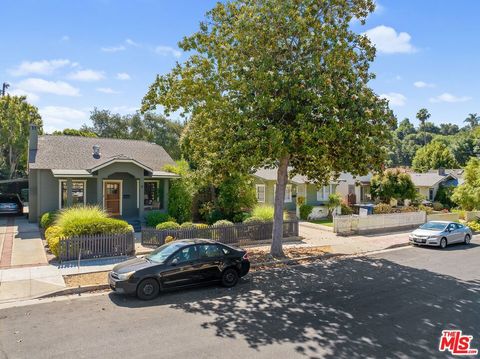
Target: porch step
136	224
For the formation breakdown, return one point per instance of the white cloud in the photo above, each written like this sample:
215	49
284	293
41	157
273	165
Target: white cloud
113	48
31	97
87	75
388	41
447	97
394	98
422	84
44	67
124	110
65	38
107	90
123	76
36	85
168	51
132	43
58	117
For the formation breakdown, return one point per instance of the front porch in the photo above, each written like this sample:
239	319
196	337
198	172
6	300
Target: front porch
123	189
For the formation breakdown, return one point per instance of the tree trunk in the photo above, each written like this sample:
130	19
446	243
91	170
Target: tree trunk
276	249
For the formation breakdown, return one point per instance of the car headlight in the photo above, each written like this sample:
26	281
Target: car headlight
433	237
125	276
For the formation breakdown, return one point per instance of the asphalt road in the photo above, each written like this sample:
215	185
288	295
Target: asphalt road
390	305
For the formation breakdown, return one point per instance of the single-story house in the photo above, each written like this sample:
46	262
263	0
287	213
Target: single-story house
427	184
356	189
125	177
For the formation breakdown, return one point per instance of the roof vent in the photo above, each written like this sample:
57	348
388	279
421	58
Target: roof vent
96	151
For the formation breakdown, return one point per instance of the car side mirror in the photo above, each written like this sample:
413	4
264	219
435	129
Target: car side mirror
174	262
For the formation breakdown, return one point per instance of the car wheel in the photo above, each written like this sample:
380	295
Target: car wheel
467	239
229	277
443	243
148	289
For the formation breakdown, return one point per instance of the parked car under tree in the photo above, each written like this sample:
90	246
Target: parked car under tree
10	204
179	264
441	234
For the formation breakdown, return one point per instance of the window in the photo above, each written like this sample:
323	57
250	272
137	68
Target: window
210	251
186	254
260	190
324	192
151	193
78	193
288	193
430	194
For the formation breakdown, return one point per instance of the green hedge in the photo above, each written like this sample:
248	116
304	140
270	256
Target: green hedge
253	220
305	210
168	225
53	234
86	227
155	217
47	219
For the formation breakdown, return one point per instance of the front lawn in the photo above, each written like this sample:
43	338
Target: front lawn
324	221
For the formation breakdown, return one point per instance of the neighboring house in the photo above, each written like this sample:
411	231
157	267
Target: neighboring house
125	177
427	184
346	185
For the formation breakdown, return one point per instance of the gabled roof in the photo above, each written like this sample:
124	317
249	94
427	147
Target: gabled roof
270	174
428	179
76	153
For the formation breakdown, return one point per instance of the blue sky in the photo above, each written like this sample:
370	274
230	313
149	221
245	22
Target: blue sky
69	57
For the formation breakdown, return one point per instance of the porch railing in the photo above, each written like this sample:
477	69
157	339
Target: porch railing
241	233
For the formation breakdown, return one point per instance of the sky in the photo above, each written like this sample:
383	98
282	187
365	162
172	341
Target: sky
69	57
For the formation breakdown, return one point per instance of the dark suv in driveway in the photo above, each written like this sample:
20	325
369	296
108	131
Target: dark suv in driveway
180	264
10	204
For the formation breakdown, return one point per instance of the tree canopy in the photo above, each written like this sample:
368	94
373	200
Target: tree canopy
74	132
433	156
16	115
278	83
467	195
392	184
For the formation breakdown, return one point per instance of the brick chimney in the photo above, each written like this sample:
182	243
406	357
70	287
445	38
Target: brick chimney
441	171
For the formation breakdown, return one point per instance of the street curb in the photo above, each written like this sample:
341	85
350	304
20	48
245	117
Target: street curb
76	290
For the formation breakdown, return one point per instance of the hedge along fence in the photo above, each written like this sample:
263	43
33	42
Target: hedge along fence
96	246
237	233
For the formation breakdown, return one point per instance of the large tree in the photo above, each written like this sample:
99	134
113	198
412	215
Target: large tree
279	83
422	116
16	114
467	195
392	184
433	156
472	120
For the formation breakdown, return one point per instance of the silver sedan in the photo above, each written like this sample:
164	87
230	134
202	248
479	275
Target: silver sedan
441	234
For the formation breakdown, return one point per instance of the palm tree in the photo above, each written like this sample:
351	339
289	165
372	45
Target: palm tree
472	120
423	115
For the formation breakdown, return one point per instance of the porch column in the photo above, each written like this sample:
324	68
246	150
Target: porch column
100	191
69	192
165	194
141	200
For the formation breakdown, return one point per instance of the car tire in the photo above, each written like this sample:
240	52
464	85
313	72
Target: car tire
443	243
467	239
148	289
229	277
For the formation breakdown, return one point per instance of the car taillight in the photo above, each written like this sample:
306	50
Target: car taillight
245	256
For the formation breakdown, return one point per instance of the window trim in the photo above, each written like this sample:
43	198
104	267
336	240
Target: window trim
285	196
257	186
288	190
321	192
60	181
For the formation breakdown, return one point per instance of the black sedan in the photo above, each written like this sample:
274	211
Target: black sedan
10	204
179	264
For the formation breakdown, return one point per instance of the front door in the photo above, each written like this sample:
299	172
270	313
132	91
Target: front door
112	191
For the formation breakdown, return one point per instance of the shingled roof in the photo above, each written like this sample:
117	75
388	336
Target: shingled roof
76	153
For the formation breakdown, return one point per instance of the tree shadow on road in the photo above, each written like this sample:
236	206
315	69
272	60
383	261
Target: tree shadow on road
352	308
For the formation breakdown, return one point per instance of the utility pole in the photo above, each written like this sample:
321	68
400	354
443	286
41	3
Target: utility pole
5	86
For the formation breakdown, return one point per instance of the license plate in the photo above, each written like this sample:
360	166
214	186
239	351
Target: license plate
418	241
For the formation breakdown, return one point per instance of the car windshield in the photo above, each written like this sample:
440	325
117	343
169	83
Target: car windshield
160	254
434	226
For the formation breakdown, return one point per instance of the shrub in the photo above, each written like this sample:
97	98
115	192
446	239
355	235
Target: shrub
47	219
474	226
155	217
305	211
88	227
169	239
200	225
264	212
346	209
53	235
223	223
408	209
74	214
300	200
210	213
253	220
382	208
187	225
437	206
168	225
427	209
240	217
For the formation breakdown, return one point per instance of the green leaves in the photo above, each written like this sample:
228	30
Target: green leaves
392	184
16	114
433	156
467	195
